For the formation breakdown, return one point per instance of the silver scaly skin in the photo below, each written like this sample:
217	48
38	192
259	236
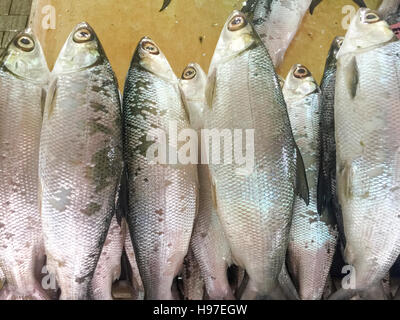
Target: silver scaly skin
367	115
80	161
277	22
254	206
108	267
193	284
162	197
312	238
24	78
136	283
208	241
327	202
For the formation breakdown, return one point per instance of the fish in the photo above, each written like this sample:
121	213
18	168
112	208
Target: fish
208	241
24	78
387	8
108	268
366	131
277	23
80	163
163	192
136	280
313	238
254	201
165	5
193	284
315	3
327	202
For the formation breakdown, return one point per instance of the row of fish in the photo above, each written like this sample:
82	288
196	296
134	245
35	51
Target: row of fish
267	234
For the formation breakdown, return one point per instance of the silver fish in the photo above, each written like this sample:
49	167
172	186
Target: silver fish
312	238
367	144
327	202
255	202
108	267
162	192
277	23
208	241
24	76
80	161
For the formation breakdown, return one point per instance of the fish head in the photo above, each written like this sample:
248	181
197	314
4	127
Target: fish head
366	30
299	82
81	50
24	58
237	36
192	86
149	56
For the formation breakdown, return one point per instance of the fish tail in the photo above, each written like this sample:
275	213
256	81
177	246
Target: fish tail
35	293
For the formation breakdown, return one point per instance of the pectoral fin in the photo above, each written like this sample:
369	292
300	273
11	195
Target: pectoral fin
210	88
301	178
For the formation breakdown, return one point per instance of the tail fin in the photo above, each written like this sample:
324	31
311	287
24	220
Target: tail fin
36	293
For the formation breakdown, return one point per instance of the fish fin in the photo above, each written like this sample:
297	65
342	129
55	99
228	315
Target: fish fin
43	101
360	3
50	99
123	196
353	79
210	88
314	4
301	178
165	4
214	193
323	191
249	7
343	294
36	293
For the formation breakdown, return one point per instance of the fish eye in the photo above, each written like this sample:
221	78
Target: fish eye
301	72
150	47
371	17
189	73
237	22
82	35
25	43
339	42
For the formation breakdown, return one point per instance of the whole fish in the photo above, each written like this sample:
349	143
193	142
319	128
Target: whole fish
24	77
162	192
312	238
254	196
367	144
108	268
193	284
80	161
277	23
208	242
327	201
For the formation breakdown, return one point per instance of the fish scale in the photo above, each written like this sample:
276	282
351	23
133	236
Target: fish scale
208	242
162	197
367	160
312	238
23	79
255	209
80	163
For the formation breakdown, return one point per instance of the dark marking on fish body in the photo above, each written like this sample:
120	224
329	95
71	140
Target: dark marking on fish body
98	107
91	209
